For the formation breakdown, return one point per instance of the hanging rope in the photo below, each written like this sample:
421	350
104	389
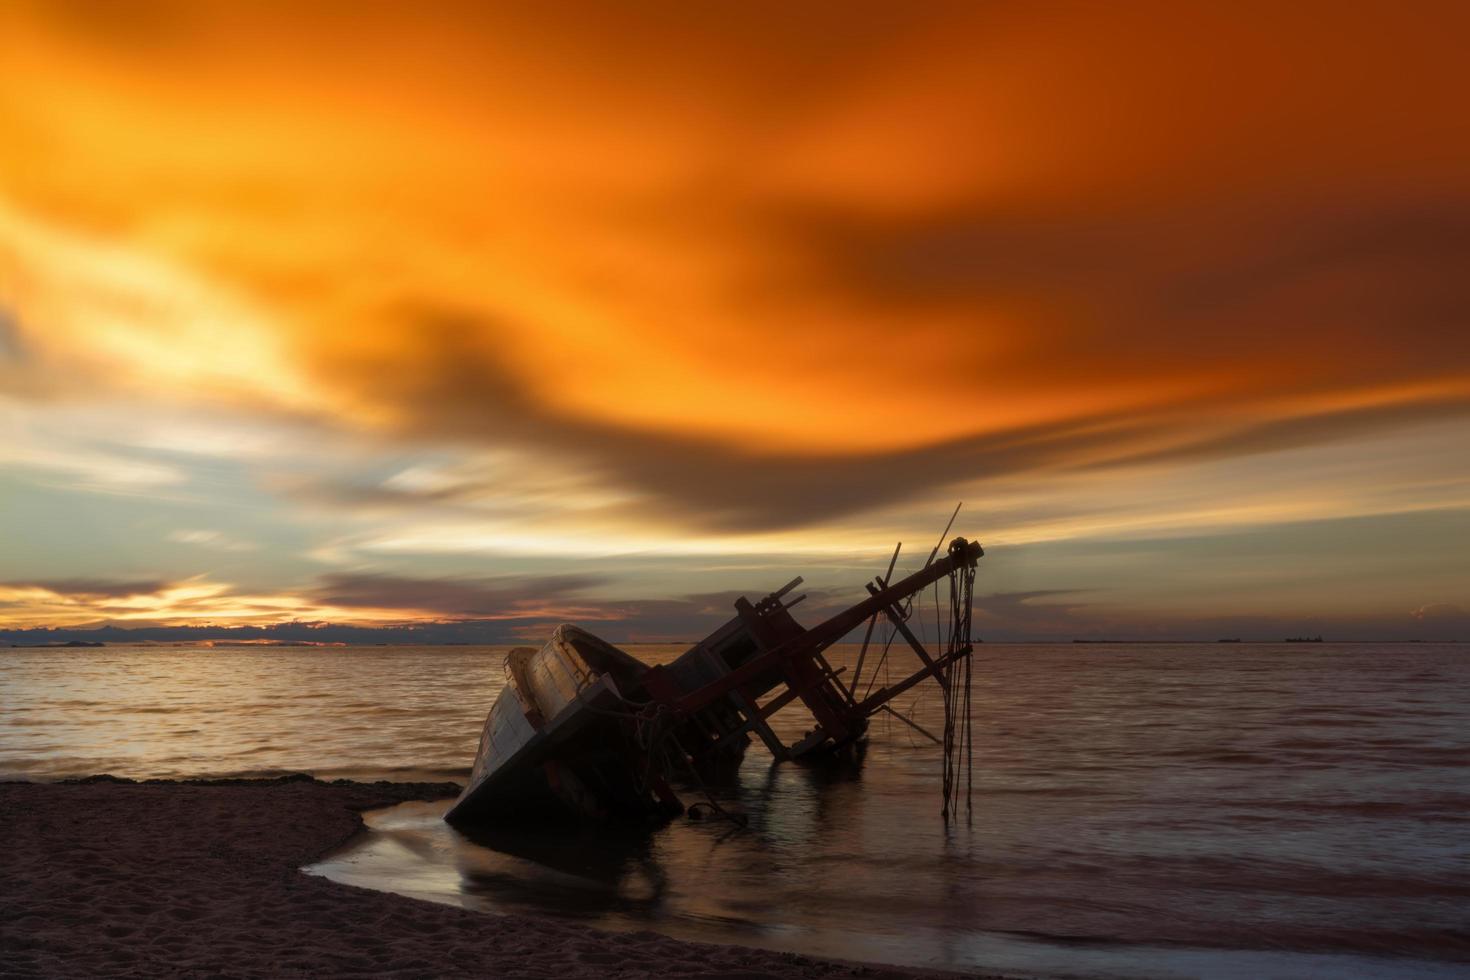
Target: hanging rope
958	738
663	756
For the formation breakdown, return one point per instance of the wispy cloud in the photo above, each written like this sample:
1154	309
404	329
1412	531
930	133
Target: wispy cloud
217	540
92	469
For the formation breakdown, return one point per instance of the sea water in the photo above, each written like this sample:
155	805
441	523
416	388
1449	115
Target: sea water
1230	810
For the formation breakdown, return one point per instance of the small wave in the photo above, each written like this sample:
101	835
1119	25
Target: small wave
1235	757
1457	807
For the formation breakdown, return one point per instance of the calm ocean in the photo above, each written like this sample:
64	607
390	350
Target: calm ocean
1230	810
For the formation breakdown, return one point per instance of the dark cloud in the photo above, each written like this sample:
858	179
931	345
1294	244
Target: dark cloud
10	343
532	604
92	588
697	615
1015	608
1224	309
367	495
1295	432
464	598
710	485
453	385
1322	294
20	374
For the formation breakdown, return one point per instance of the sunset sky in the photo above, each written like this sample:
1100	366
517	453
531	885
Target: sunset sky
386	313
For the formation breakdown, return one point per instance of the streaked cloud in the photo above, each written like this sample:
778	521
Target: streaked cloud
91	468
497	283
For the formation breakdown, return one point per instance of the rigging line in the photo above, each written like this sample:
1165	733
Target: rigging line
958	731
969	613
892	632
947	761
911	723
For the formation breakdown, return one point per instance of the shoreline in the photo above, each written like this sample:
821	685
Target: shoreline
107	876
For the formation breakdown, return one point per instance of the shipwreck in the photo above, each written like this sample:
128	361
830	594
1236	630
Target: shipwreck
583	730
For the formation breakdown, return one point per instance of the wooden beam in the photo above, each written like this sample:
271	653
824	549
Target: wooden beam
886	694
753	718
763	712
857	672
825	634
897	619
911	723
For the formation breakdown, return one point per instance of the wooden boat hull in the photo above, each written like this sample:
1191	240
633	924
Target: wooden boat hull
557	742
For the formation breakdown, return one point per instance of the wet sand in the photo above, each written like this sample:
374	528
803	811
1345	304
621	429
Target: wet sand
106	877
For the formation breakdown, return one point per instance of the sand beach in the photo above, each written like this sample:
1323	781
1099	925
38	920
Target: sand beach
115	878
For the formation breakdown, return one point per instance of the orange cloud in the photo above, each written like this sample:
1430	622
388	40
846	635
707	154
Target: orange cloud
354	599
70	603
753	266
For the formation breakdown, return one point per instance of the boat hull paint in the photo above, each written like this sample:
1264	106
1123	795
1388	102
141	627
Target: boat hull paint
556	743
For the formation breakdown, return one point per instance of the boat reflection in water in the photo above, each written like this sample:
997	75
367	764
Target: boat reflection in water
593	873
